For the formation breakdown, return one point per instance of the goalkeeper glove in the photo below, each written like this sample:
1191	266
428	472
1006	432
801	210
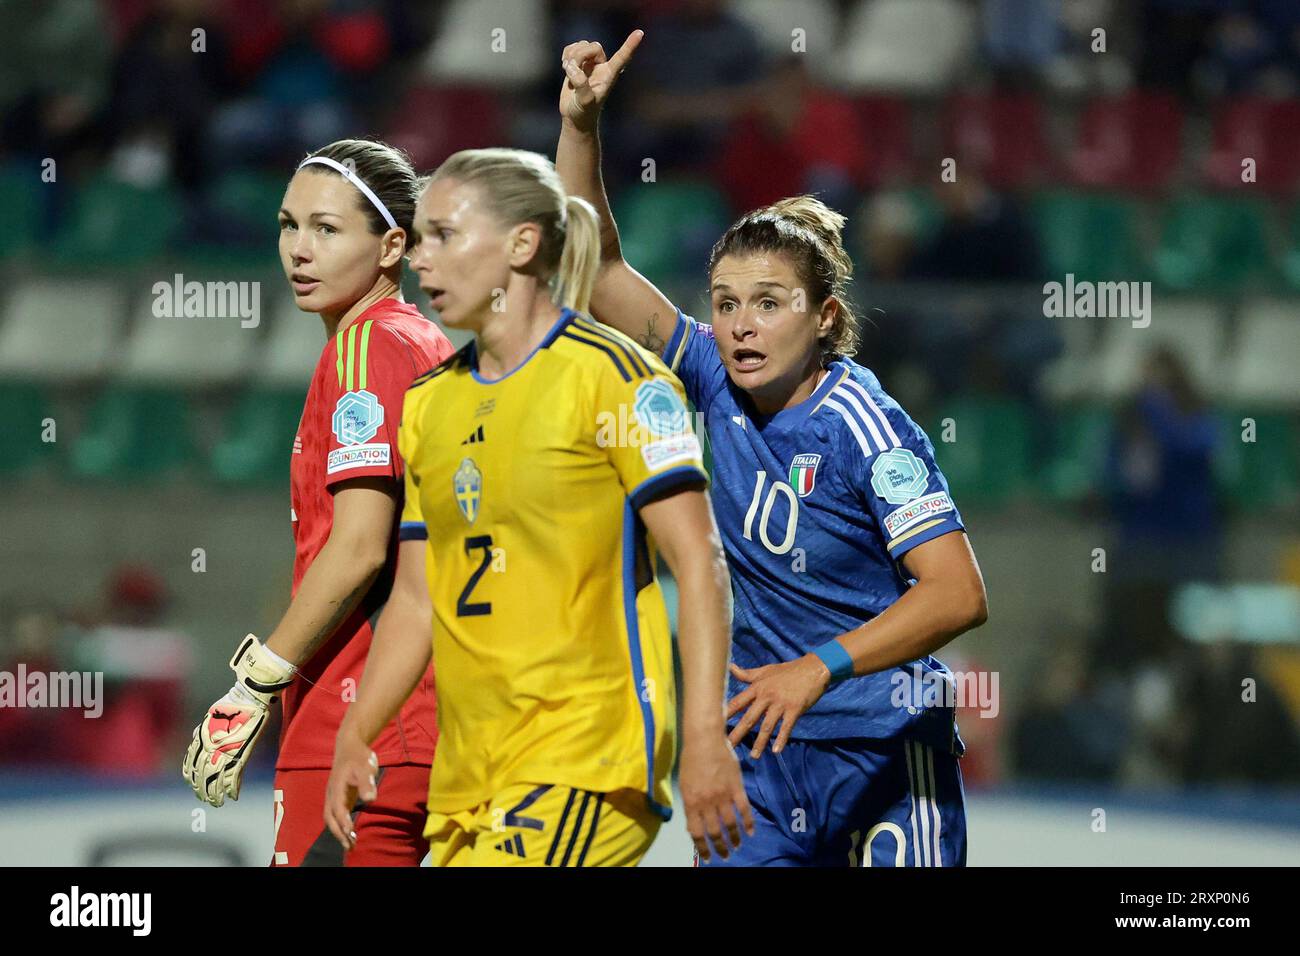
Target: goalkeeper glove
224	739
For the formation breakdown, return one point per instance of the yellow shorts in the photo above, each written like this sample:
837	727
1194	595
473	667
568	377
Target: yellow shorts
550	825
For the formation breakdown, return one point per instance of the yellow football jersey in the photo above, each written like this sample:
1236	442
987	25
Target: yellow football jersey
551	645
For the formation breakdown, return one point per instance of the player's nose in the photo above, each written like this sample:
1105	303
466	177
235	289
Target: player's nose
742	324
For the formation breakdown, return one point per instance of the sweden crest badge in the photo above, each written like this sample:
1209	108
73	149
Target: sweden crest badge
467	484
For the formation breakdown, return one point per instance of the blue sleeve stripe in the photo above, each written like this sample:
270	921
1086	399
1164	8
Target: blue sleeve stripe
630	620
602	332
656	485
601	348
412	531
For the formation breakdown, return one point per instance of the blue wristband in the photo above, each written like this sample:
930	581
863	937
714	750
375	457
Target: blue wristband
836	659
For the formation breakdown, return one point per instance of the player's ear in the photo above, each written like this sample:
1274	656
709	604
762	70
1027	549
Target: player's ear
392	245
826	317
522	244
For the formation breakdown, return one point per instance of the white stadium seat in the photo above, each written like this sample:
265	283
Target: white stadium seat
292	347
914	46
776	20
64	329
1070	376
1195	328
165	350
466	47
1265	366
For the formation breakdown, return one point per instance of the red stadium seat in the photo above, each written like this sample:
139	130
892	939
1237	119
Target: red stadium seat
1262	129
1003	132
434	122
887	122
1133	142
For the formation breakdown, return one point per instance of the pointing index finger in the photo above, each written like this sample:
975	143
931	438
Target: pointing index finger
619	60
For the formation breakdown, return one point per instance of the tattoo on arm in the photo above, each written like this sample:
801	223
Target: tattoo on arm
651	339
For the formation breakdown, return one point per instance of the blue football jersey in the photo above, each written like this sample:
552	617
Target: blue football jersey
816	505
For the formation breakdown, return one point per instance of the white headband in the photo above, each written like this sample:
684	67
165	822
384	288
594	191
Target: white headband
355	180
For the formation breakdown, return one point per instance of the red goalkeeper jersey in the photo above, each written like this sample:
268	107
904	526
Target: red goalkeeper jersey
349	430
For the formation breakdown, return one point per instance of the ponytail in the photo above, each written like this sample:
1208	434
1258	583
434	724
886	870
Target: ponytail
580	260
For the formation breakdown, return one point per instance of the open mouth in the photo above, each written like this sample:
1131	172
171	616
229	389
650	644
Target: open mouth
435	295
747	360
303	284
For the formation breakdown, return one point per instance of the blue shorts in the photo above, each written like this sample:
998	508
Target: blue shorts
852	803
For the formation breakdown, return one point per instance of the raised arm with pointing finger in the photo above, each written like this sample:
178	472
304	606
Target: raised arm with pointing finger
623	297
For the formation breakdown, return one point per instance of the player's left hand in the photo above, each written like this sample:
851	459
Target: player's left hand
776	692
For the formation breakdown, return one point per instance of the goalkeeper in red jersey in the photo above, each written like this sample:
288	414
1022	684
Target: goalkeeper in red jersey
344	227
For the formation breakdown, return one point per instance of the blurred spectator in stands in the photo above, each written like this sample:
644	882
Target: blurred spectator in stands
167	79
1282	19
984	235
1074	725
30	636
1021	38
1229	734
1077	68
1160	487
1174	35
146	666
795	137
888	233
1240	47
54	68
304	66
606	21
696	71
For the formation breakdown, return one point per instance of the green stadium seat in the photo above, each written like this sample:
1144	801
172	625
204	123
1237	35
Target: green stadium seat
1264	473
667	227
929	216
135	433
26	406
20	210
1095	236
114	223
1079	437
1215	243
248	200
1290	264
988	464
259	438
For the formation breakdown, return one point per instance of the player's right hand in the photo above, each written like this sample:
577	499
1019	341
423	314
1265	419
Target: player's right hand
712	792
352	781
589	77
224	739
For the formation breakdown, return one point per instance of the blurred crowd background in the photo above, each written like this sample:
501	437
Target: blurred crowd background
1132	492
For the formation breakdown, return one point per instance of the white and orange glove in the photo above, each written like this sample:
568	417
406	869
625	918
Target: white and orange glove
224	739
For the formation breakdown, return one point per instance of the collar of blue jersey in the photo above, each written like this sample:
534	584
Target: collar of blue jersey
835	372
